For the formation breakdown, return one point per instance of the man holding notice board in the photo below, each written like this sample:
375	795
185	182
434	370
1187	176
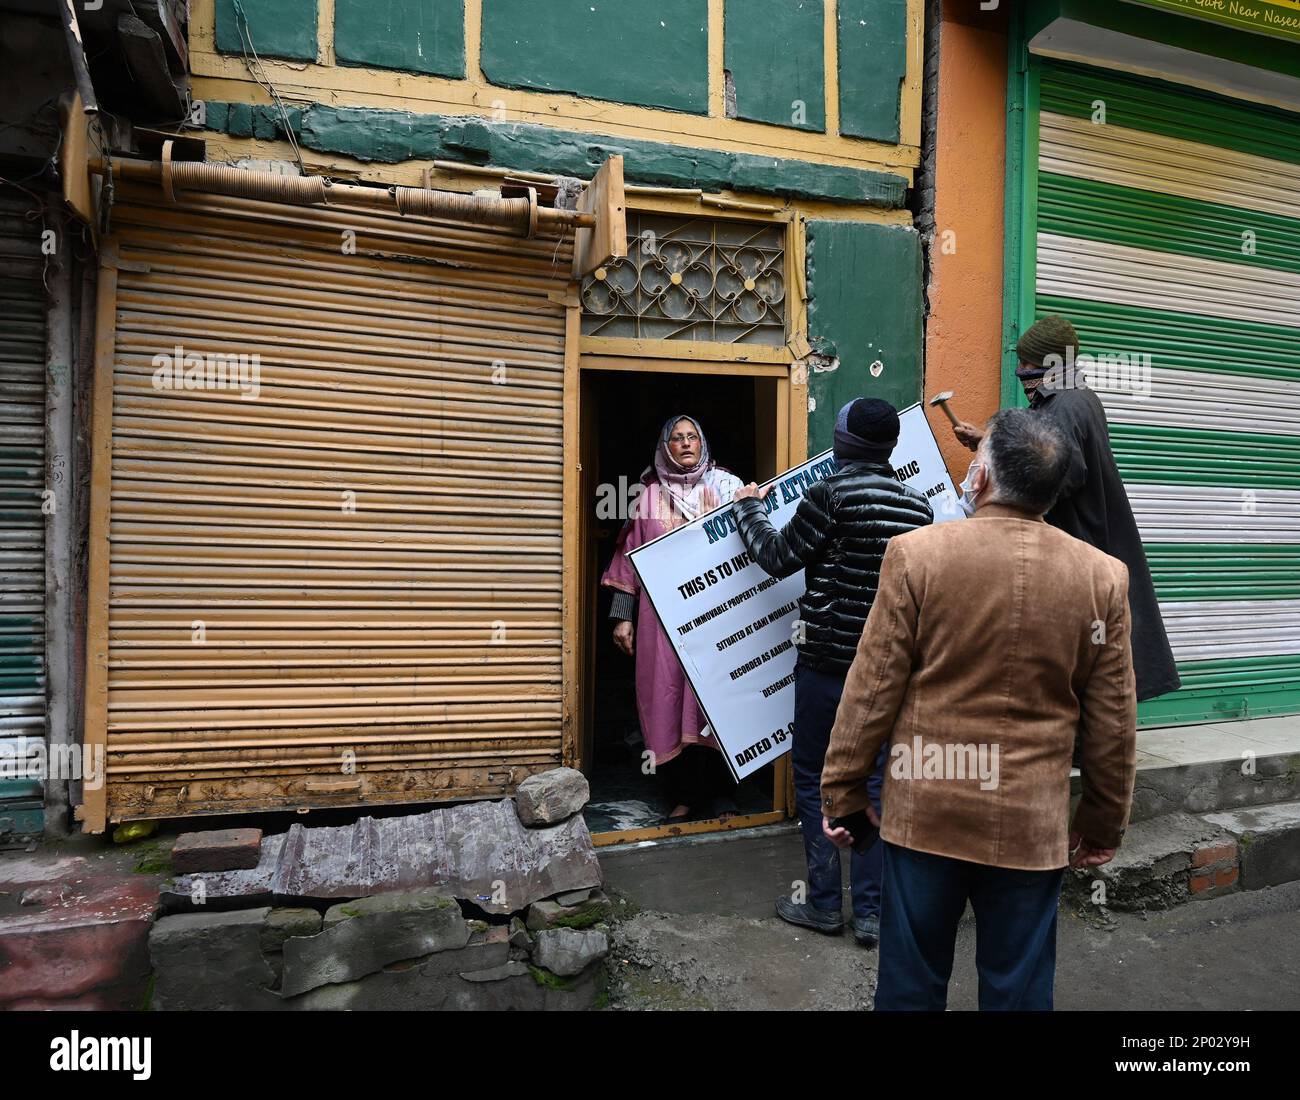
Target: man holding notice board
838	536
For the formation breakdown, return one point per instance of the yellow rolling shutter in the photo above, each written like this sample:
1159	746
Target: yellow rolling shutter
336	581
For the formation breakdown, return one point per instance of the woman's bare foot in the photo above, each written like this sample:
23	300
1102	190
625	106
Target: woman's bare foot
727	815
679	813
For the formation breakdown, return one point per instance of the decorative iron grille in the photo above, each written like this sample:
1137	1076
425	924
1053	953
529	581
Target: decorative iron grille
691	279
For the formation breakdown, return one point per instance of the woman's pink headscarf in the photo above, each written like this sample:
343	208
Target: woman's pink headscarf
686	485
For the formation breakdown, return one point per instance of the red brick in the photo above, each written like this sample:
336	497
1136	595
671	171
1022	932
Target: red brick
217	850
1199	883
1225	877
1214	854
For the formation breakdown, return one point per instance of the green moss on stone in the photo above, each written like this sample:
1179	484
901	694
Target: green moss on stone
548	980
152	858
581	919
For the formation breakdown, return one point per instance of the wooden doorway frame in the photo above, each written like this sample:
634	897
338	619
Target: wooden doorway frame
787	447
586	355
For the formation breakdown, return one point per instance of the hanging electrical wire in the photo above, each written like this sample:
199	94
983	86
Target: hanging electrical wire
258	73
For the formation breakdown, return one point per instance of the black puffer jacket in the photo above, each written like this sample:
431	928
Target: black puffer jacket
838	535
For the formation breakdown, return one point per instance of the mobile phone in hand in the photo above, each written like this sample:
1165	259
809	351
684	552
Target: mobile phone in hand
864	833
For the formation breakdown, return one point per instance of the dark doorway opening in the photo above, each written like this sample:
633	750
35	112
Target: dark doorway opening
625	411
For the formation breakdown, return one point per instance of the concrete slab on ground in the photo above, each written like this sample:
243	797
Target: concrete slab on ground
1216	766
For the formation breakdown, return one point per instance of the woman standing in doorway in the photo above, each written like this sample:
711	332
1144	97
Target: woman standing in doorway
680	485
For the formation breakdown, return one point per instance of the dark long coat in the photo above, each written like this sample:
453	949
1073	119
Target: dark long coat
1094	507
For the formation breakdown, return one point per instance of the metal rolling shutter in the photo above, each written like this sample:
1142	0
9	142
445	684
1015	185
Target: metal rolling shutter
22	524
1172	229
421	631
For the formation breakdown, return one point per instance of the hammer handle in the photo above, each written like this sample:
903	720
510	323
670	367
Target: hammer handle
949	413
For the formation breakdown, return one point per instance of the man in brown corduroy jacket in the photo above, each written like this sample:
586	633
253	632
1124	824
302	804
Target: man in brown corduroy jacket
991	642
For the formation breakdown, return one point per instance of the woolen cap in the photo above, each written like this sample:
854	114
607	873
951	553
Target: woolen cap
872	419
1050	335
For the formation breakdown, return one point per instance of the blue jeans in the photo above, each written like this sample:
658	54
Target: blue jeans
816	697
1015	932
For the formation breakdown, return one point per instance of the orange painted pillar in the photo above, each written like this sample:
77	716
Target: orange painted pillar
963	342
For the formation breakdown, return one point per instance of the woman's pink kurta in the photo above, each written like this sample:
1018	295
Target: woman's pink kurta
670	714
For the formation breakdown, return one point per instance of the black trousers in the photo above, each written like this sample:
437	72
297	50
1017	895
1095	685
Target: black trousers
695	776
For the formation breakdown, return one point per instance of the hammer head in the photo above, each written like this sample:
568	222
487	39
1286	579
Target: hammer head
942	399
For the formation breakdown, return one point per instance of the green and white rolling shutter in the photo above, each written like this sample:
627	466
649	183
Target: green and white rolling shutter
22	525
1168	226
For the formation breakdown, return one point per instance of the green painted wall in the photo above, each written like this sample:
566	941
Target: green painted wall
872	65
394	136
775	54
649	54
864	307
278	28
417	36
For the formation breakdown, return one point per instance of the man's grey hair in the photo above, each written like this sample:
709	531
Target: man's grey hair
1030	457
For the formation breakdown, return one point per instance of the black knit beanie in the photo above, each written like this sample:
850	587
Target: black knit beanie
873	420
866	430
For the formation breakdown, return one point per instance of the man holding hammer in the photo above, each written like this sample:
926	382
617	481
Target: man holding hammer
1092	505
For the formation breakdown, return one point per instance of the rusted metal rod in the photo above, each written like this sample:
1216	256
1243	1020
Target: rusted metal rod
523	215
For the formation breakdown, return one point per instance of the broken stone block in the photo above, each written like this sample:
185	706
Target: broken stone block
553	914
573	897
282	924
217	850
531	990
519	936
549	797
423	984
566	951
361	937
206	961
497	973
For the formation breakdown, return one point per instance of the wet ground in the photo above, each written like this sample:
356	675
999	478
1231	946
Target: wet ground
697	931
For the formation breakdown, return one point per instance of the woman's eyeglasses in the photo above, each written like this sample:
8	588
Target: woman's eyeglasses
679	439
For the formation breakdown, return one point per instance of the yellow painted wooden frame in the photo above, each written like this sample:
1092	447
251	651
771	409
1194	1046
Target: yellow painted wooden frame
791	448
681	357
93	810
225	77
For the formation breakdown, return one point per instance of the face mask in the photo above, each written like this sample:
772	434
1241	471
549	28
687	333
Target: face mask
967	500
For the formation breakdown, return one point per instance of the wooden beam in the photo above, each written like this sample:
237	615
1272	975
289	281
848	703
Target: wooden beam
572	603
690	828
93	811
604	197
